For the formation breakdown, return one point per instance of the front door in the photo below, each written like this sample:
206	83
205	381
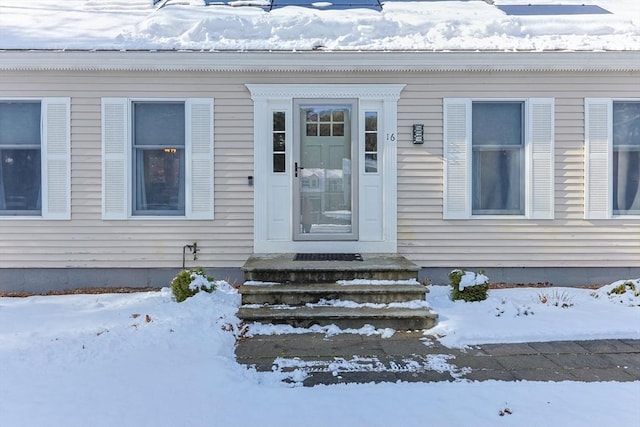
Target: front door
325	170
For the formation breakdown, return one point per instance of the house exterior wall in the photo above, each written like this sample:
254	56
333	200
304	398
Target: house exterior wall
566	241
87	241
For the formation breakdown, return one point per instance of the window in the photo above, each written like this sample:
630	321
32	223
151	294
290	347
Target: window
279	141
20	180
157	158
626	158
34	158
612	158
498	158
328	122
371	141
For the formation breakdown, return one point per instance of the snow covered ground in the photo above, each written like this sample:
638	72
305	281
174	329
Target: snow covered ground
144	360
424	25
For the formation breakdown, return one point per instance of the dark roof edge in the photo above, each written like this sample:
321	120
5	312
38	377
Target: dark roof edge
317	61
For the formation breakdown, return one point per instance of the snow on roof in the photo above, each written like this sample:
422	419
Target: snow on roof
400	25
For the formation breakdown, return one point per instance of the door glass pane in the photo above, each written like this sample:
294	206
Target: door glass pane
370	142
325	174
279	141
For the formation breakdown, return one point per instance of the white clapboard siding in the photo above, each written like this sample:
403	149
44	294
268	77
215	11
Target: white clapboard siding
200	136
541	122
597	191
115	113
457	115
56	165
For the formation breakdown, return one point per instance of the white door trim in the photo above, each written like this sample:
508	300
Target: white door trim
269	236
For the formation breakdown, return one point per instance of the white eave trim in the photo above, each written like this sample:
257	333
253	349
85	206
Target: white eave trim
317	61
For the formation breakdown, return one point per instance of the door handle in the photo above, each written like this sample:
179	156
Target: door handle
296	168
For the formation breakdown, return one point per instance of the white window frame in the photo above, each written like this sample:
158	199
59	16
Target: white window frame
117	159
55	158
539	129
598	178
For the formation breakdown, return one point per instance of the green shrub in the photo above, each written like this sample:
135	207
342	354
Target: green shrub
623	288
472	293
189	282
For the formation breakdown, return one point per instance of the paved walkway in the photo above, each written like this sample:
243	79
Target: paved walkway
411	357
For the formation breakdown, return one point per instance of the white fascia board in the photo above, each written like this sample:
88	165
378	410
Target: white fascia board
308	61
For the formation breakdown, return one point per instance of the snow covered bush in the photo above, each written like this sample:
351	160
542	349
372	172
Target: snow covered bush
623	288
468	286
189	282
623	291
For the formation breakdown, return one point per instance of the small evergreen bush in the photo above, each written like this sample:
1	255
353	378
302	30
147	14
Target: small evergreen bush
475	286
623	288
189	282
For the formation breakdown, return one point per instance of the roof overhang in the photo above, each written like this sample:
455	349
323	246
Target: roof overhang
317	61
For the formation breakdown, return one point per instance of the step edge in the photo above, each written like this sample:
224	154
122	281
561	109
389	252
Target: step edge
347	314
259	290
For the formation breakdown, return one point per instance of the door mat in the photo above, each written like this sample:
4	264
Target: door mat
328	257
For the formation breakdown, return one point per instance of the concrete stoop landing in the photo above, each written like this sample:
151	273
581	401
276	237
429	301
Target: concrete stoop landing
281	268
305	293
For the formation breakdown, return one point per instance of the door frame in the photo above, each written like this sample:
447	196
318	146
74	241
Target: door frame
271	191
299	103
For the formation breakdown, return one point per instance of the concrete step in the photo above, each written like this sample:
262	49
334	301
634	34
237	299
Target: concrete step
282	268
344	317
300	294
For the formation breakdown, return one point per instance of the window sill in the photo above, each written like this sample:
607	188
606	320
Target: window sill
509	216
158	217
630	216
22	217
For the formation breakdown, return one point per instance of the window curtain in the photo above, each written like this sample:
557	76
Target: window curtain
20	124
627	181
497	176
39	200
141	187
3	203
626	157
182	185
509	192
